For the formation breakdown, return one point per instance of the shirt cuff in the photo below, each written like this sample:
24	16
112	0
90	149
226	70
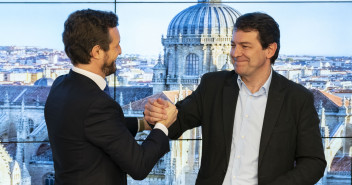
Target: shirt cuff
162	128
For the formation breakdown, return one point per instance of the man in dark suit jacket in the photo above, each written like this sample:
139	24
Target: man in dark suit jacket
92	142
257	126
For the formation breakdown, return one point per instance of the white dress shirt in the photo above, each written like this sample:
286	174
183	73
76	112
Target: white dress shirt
100	81
249	117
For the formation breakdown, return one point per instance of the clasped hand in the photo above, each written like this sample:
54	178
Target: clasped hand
160	111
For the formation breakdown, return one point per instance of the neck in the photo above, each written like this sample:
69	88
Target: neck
254	83
91	68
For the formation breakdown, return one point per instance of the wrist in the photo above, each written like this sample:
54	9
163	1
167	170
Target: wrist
150	125
162	127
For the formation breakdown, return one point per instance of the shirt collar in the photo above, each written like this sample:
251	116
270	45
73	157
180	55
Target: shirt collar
100	81
265	87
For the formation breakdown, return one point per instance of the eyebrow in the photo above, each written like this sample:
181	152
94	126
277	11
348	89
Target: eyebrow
245	43
233	42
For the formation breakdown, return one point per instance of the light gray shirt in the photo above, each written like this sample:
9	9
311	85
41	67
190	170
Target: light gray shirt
249	117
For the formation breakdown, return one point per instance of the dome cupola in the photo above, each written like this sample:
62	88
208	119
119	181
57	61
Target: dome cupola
206	17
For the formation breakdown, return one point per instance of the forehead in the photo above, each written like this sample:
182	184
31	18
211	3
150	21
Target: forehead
245	36
114	35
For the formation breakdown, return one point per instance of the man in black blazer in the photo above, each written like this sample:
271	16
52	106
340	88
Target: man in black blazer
92	142
257	126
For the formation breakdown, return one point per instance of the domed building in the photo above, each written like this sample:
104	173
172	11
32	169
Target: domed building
44	82
198	41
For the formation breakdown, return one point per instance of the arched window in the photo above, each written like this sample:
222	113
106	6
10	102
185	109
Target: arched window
192	61
30	125
49	179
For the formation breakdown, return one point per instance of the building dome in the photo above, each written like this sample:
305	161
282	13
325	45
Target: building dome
44	82
227	67
207	17
198	41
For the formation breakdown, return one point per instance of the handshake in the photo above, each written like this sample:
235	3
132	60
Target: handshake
160	111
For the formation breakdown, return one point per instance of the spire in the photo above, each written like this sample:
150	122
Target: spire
130	108
19	153
159	59
180	93
26	177
37	101
159	65
320	105
22	106
324	128
7	101
323	120
121	99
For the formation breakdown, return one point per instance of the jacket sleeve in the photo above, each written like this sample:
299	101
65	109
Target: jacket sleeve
189	111
105	128
309	156
132	125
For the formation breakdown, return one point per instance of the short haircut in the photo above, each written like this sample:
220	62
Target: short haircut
267	27
85	29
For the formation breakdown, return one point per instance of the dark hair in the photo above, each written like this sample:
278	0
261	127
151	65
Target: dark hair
267	27
83	30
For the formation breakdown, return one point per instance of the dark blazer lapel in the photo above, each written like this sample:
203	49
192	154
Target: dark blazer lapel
229	101
273	106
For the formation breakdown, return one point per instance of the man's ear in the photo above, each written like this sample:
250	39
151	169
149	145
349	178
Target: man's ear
271	50
97	52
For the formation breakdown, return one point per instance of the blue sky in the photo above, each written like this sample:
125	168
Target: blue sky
306	28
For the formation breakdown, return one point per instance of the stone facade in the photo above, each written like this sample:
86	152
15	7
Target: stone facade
198	41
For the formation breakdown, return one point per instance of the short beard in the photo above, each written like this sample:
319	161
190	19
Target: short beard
108	69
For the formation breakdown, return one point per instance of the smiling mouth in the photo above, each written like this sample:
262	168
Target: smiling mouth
240	61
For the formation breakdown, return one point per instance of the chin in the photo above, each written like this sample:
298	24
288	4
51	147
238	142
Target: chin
239	71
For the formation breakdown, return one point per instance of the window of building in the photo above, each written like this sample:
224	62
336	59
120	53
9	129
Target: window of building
49	179
192	61
30	125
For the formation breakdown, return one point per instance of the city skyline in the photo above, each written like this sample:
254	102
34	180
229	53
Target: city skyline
320	29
